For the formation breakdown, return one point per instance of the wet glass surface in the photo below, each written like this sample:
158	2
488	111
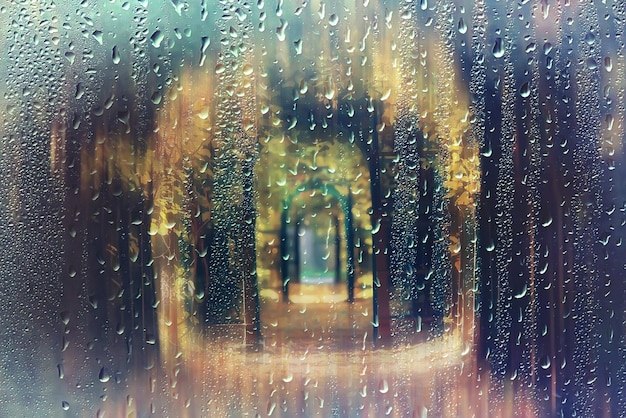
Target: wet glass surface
311	208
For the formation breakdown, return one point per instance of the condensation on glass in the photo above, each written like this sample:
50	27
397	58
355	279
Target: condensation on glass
312	208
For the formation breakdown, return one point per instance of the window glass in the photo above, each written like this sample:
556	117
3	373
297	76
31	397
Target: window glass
354	208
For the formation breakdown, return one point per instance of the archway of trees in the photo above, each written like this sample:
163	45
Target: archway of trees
229	143
345	203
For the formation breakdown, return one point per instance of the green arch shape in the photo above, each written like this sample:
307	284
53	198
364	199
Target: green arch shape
346	206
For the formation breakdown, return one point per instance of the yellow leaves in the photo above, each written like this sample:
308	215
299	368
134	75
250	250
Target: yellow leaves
455	251
168	219
159	225
462	174
158	228
203	113
455	245
144	177
453	186
184	124
389	115
464	199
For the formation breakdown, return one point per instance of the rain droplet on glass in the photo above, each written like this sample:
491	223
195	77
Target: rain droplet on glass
498	49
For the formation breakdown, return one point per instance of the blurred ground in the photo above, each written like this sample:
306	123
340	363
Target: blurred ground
316	359
317	315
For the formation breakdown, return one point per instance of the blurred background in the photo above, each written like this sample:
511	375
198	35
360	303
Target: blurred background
353	208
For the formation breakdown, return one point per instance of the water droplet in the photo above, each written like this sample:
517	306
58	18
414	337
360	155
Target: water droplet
333	19
604	239
178	6
65	405
385	95
220	68
80	91
609	122
65	317
116	55
545	362
241	14
547	222
124	117
608	64
298	45
303	87
590	38
591	64
462	26
498	49
329	92
280	30
524	91
98	36
248	69
271	406
156	97
150	339
547	48
156	38
70	56
203	113
383	386
104	375
206	41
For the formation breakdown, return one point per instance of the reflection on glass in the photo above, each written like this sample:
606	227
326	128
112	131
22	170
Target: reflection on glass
313	208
